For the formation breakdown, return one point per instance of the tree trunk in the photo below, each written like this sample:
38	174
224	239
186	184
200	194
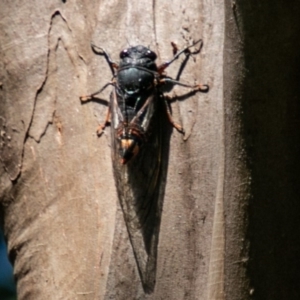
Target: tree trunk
230	218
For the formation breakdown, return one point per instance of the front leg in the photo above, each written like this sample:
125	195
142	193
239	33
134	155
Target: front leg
186	50
100	51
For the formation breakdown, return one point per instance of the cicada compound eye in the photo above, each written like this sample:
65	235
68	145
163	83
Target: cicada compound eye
150	54
124	53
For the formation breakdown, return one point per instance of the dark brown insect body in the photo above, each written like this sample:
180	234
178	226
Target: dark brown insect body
137	111
135	97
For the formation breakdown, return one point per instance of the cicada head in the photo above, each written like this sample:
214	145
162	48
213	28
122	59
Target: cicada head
138	56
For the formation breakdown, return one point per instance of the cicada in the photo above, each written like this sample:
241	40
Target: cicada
137	113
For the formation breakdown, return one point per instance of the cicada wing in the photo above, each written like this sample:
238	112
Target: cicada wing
140	186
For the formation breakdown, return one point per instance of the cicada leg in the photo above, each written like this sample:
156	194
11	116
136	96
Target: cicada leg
101	127
100	51
197	87
92	96
178	127
187	52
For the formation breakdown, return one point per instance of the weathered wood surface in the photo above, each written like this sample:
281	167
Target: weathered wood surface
65	230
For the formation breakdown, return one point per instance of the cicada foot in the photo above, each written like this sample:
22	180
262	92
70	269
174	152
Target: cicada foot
179	128
100	129
85	98
174	48
203	88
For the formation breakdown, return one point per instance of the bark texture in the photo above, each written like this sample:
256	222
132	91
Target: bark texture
230	217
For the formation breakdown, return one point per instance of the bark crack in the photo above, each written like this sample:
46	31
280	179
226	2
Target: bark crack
46	96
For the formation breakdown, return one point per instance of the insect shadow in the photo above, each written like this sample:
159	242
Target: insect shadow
139	113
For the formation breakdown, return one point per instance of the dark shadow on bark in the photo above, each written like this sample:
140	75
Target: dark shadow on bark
271	107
